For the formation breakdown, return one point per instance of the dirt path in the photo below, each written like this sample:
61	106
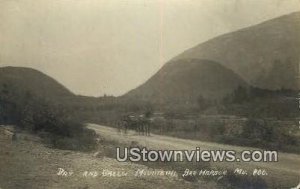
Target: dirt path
28	164
285	171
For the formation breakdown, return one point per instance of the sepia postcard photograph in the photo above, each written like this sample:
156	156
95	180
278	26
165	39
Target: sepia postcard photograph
149	94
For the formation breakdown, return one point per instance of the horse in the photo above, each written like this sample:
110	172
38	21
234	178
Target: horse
140	124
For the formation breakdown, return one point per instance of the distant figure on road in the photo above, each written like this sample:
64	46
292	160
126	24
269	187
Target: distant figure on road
140	124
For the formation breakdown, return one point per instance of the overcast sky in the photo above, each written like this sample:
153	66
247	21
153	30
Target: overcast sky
97	47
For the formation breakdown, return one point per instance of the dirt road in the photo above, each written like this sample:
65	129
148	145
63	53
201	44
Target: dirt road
285	171
28	164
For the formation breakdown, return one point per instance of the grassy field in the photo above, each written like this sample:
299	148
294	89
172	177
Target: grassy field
27	163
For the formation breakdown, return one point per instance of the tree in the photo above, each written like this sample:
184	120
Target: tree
203	103
240	95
